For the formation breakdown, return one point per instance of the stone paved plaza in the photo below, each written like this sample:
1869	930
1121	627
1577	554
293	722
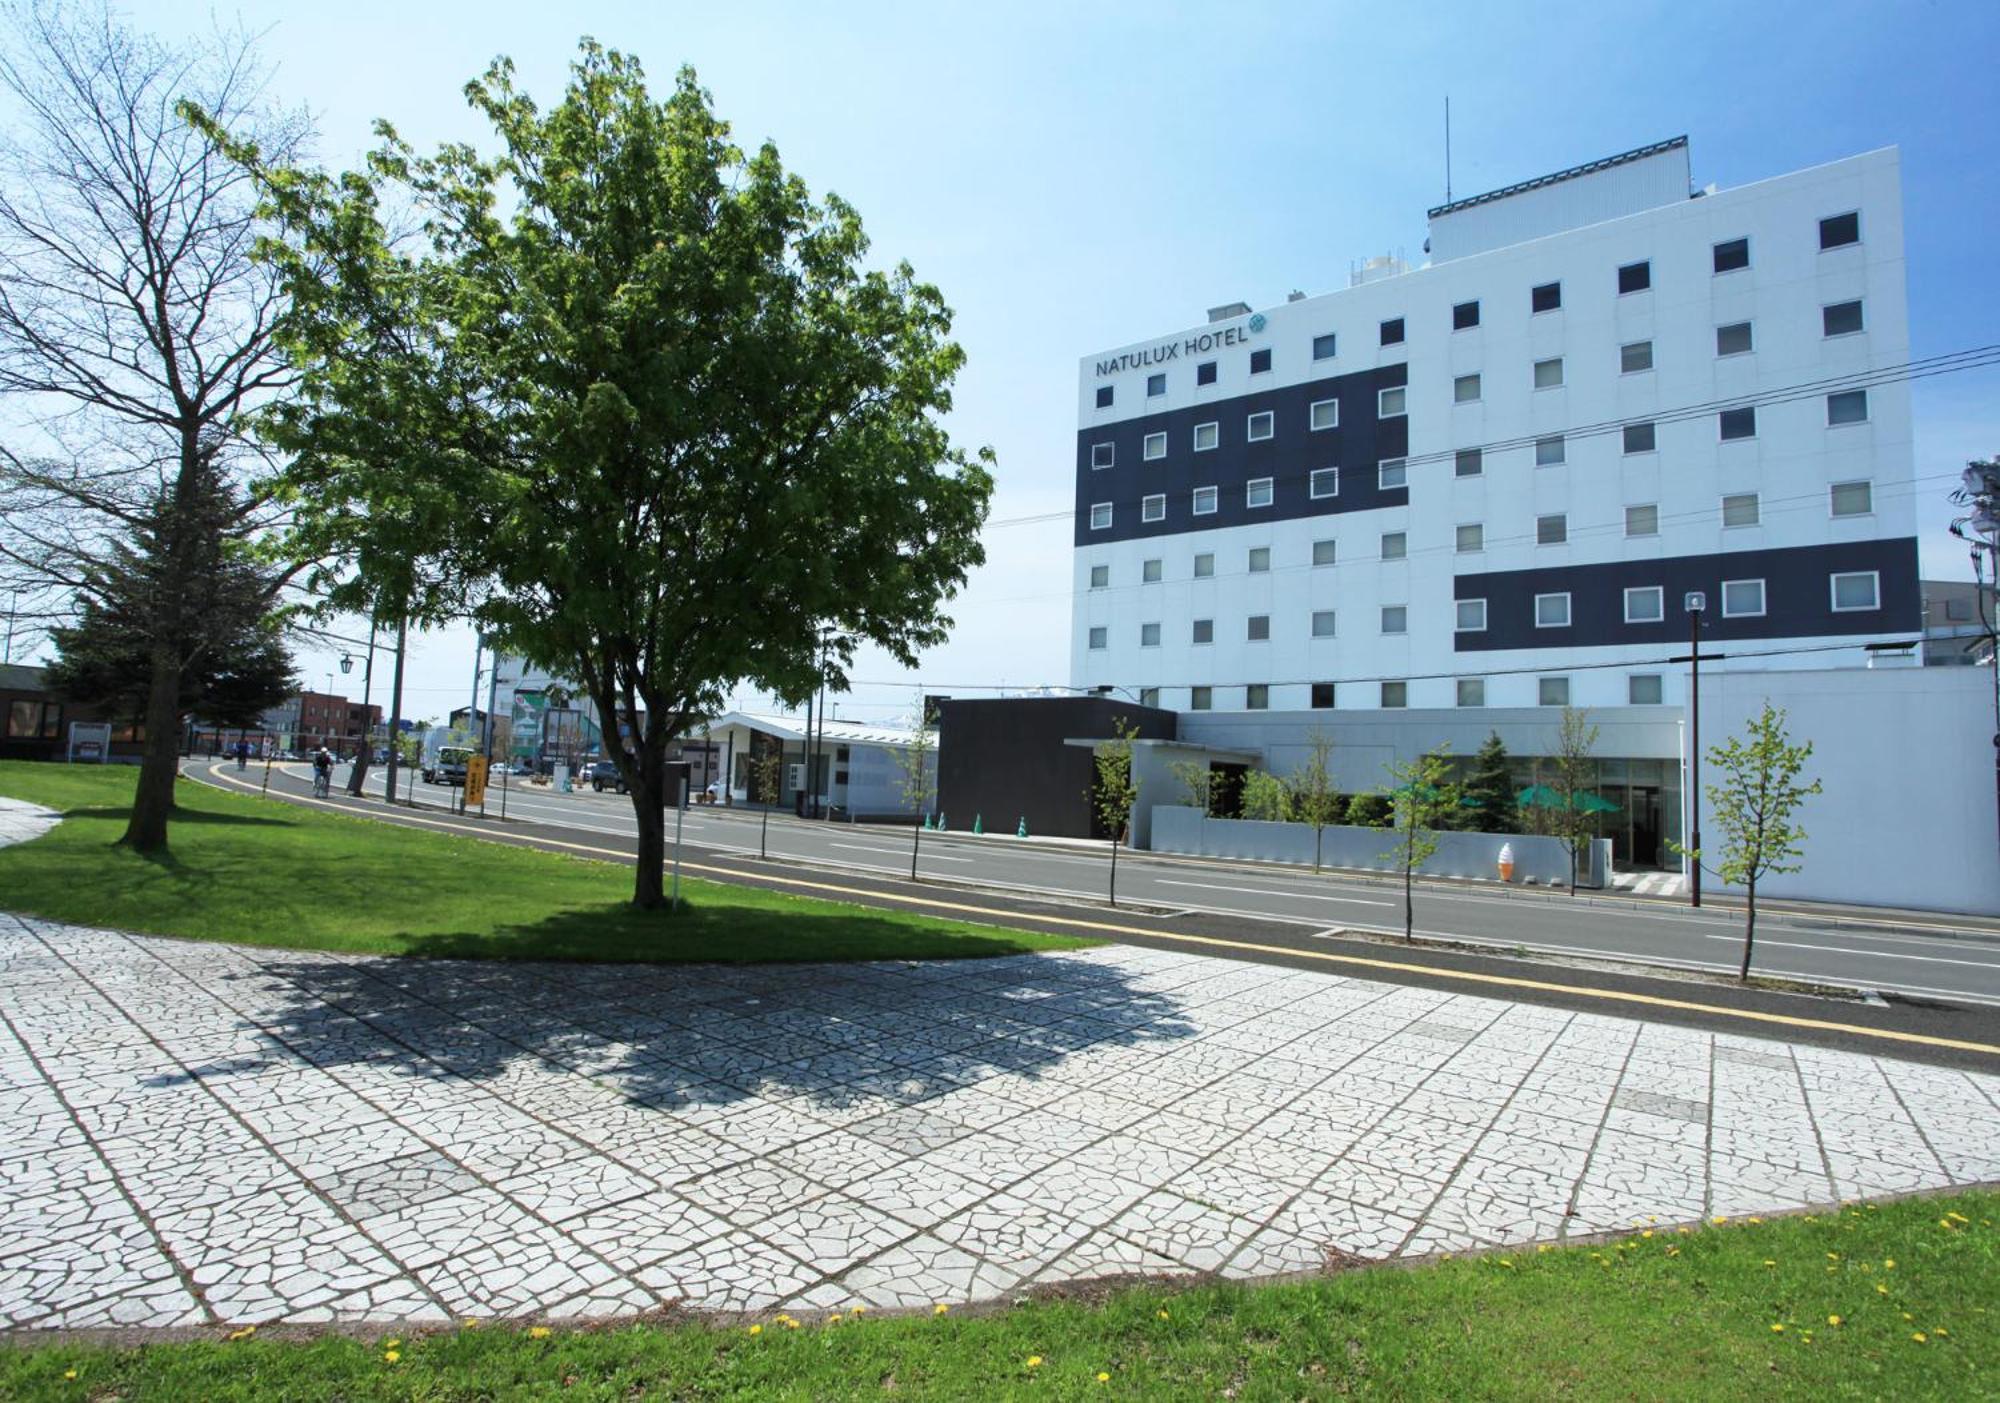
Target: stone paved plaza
205	1133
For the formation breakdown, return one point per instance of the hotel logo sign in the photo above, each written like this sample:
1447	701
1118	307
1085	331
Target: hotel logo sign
1173	350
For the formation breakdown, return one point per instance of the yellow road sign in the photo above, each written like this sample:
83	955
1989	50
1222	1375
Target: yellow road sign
475	781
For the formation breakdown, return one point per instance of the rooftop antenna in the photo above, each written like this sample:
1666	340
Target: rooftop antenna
1447	148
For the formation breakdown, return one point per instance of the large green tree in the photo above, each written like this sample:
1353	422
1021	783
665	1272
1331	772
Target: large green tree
1489	788
634	395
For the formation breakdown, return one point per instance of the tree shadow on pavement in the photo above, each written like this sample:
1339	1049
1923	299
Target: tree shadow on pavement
668	1037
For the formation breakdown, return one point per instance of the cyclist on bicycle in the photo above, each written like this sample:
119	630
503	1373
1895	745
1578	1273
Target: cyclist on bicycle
322	772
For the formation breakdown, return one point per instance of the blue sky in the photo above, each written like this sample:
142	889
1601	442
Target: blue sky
1076	177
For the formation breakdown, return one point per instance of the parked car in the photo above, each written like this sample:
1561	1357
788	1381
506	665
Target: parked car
603	775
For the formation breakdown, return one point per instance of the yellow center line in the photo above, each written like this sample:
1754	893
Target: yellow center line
1501	981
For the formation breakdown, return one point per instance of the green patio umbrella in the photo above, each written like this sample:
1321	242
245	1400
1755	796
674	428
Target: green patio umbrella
1540	796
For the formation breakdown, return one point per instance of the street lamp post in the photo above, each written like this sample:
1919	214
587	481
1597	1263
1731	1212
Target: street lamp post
359	778
1696	603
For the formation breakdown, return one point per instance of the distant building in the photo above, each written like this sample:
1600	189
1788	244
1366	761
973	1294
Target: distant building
1957	631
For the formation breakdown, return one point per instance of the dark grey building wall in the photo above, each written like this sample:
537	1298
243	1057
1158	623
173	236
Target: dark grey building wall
1004	759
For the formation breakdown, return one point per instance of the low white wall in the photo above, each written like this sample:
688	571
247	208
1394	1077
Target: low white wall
1178	828
1905	758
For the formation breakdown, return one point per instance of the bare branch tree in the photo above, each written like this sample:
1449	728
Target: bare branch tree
138	333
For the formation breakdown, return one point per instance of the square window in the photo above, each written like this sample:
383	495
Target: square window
1395	545
1472	691
1322	623
1468	462
1395	694
1391	402
1551	530
1149	572
1257	696
1958	610
1259	630
1635	356
1200	698
1204	630
1104	396
1149	635
1325	482
1840	318
1645	604
1545	298
1732	340
1643	689
1322	552
1103	455
1740	422
1471	616
1206	436
1149	696
1257	492
1204	565
1261	426
1840	230
1100	516
1471	537
1392	332
1154	507
1856	590
1732	254
1552	691
1639	438
1204	374
1155	446
1323	347
1740	509
1742	599
1395	618
1550	451
1099	637
1260	360
1204	501
1552	611
1392	472
1322	696
1847	407
1156	385
1325	414
1100	577
1852	498
1260	560
1465	389
1465	316
1642	520
1549	373
1635	277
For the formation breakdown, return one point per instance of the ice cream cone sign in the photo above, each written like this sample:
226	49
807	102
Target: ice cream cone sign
1506	862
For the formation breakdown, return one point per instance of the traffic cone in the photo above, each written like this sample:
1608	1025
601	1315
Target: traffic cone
940	827
978	825
1021	828
928	823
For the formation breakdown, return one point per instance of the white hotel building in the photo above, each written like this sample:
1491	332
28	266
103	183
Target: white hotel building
1485	486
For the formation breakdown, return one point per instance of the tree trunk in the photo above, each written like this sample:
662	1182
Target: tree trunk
153	802
916	841
1409	904
1573	855
764	833
1114	870
1319	835
1749	928
649	807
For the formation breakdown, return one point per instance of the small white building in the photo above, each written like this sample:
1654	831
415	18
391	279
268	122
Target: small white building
858	769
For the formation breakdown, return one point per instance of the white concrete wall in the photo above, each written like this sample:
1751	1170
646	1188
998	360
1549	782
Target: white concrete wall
1905	756
1179	829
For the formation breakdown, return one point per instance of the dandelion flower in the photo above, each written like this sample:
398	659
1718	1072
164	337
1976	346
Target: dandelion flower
1833	1256
833	1319
386	1344
939	1309
1939	1330
1888	1264
1163	1315
1769	1263
1960	1217
1034	1361
538	1332
756	1329
472	1322
1919	1337
1880	1289
1833	1320
1777	1328
69	1373
1673	1251
1647	1233
391	1356
1103	1377
1718	1221
791	1324
1507	1264
856	1310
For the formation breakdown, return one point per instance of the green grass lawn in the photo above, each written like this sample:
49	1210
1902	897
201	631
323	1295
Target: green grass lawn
269	873
1892	1302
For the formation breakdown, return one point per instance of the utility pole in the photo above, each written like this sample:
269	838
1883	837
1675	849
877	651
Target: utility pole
13	608
359	780
396	710
1980	528
1696	602
478	652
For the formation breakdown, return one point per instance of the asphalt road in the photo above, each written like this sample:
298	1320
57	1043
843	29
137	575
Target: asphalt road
1933	960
